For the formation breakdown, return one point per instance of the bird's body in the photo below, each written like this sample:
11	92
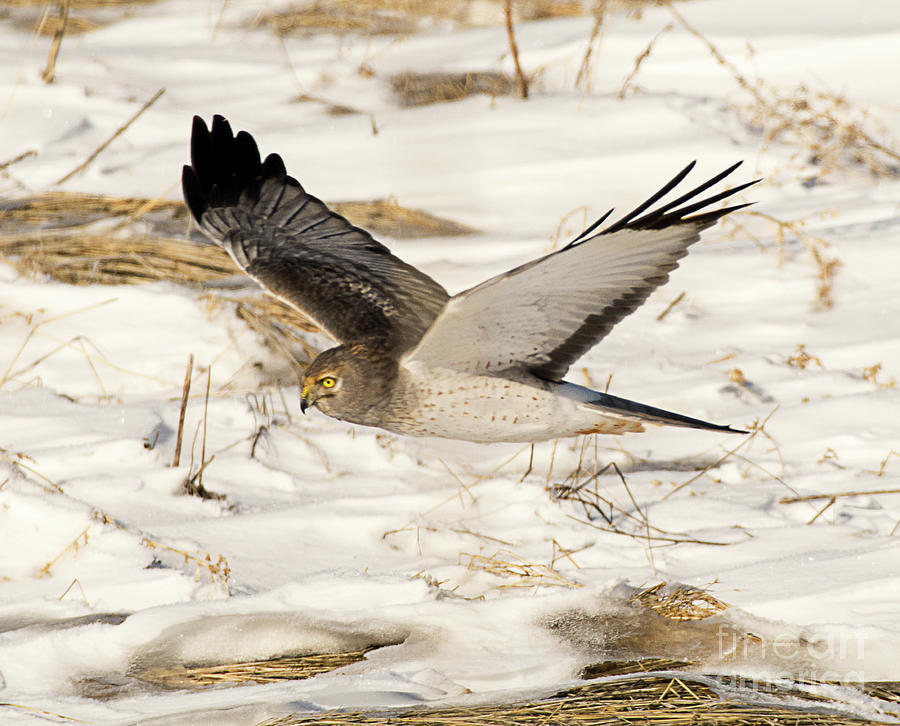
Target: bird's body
484	365
443	402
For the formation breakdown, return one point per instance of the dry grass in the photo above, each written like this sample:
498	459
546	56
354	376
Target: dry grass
364	17
827	130
401	17
54	210
826	263
648	691
639	60
680	602
600	9
284	668
621	668
67	209
802	359
80	541
835	495
871	374
58	235
389	218
333	109
217	569
515	570
74	25
76	4
638	697
82	16
16	460
521	80
420	89
582	486
52	239
106	260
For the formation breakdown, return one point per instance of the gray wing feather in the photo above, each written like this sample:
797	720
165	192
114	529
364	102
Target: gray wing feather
302	252
544	315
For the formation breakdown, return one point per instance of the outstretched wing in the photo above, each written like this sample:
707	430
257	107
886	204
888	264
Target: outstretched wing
543	316
298	249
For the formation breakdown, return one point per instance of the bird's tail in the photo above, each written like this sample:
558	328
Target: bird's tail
632	409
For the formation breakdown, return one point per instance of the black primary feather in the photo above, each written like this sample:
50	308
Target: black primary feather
297	248
669	213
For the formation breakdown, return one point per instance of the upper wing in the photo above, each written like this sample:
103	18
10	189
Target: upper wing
543	316
302	252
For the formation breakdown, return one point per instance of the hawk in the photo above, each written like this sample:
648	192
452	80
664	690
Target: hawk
484	365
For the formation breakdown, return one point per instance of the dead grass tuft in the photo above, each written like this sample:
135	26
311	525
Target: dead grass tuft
333	109
831	133
802	359
681	602
387	217
73	25
402	17
71	17
105	260
273	670
421	89
621	668
218	571
365	17
166	218
56	209
871	375
506	564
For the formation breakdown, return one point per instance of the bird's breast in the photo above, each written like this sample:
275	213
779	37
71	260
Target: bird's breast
450	404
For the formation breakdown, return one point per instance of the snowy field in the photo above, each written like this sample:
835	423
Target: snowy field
480	584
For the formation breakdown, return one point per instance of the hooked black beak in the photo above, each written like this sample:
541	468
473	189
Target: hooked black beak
305	403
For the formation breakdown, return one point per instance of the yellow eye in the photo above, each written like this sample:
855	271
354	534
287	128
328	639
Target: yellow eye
327	382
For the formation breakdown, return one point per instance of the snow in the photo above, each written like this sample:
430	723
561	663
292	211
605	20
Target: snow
331	537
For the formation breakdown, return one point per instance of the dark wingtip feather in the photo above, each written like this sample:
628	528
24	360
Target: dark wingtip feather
223	166
247	158
221	127
628	219
194	196
672	212
709	218
586	233
663	218
201	151
274	166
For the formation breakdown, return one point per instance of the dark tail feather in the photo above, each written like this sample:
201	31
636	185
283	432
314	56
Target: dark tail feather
614	404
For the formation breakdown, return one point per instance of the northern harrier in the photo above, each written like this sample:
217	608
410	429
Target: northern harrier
484	365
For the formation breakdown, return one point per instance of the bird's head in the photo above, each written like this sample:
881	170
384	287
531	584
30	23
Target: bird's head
347	381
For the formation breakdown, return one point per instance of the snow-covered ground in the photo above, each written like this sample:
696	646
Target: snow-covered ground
334	538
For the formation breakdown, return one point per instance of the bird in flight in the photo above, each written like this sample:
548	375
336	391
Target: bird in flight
486	364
